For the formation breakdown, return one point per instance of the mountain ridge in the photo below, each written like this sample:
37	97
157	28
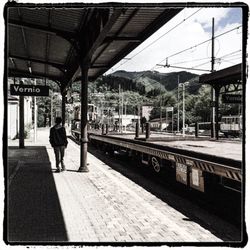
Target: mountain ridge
146	82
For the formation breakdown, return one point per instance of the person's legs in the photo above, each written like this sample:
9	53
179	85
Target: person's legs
57	156
62	150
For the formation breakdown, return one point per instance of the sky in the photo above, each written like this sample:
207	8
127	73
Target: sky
195	29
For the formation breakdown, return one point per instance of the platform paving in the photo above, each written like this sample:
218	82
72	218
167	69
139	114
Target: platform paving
99	206
231	149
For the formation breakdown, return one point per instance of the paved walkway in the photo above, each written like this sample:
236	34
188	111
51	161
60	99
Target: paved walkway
99	206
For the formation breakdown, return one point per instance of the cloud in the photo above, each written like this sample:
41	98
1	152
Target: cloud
206	15
189	33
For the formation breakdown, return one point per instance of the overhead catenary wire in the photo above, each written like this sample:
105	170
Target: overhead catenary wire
230	61
194	46
231	53
185	19
199	44
193	60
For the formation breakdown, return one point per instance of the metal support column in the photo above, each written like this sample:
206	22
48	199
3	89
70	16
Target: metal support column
21	119
212	89
183	109
137	130
103	129
217	128
147	130
84	121
178	106
63	107
196	129
107	129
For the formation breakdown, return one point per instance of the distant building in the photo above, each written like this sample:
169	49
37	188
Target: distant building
127	119
13	114
145	112
12	117
155	123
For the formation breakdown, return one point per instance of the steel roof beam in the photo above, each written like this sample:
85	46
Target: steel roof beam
69	36
226	75
73	48
86	52
47	43
133	13
158	22
99	67
26	74
56	65
110	39
103	33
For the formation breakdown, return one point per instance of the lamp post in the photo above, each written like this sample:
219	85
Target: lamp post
35	117
183	108
178	106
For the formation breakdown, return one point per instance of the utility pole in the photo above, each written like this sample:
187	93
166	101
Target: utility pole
122	113
178	106
160	111
51	109
119	109
125	112
173	121
35	117
21	119
183	109
212	89
166	118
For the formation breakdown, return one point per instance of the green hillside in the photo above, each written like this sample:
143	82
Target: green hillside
148	81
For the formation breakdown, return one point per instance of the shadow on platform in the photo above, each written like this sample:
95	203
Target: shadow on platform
33	211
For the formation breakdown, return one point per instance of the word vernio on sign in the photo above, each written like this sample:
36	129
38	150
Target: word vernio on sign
29	90
231	98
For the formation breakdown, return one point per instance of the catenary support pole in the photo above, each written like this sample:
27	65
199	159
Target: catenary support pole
183	109
103	129
107	129
217	94
212	89
178	106
137	130
84	122
51	109
147	130
21	119
35	117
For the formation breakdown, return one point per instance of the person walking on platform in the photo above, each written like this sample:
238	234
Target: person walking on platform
58	141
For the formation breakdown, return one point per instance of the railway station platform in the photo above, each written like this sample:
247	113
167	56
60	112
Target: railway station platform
101	206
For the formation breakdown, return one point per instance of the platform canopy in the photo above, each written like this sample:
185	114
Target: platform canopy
49	41
231	75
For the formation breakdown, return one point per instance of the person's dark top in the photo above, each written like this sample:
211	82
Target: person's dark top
58	136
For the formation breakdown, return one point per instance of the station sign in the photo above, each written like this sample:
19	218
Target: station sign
29	90
170	109
181	173
231	98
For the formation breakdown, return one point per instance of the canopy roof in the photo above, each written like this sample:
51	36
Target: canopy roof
49	41
231	75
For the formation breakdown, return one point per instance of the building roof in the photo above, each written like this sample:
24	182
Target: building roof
158	120
42	41
231	75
